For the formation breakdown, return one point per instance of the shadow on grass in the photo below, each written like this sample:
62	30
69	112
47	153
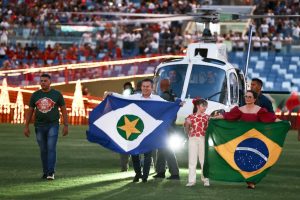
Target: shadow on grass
75	191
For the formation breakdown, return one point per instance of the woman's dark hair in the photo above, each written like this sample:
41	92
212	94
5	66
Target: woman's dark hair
253	93
197	102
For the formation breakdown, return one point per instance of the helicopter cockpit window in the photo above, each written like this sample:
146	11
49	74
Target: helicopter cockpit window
176	76
234	88
207	82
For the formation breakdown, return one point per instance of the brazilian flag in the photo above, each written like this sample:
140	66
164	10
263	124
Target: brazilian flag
242	151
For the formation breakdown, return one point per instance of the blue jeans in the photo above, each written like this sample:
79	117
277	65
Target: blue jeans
46	137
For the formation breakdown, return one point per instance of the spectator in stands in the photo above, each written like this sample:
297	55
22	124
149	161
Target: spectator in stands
45	102
264	28
296	32
265	43
256	42
261	100
3	50
3	36
277	42
241	42
288	40
234	41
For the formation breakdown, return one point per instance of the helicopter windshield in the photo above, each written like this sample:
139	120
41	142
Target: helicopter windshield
176	75
207	82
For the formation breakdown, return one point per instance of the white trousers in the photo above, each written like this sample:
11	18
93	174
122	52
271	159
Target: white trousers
196	150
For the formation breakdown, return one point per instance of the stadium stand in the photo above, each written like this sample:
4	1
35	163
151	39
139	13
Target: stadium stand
42	33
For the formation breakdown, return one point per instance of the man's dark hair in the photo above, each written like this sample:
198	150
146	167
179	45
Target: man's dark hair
127	84
46	76
258	81
148	80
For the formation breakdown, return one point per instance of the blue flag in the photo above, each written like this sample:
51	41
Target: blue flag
131	126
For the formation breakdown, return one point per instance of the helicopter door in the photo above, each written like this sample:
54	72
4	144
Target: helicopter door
242	86
234	88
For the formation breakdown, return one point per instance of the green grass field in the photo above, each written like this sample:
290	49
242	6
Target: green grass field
88	171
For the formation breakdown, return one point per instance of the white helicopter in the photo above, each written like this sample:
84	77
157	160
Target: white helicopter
203	72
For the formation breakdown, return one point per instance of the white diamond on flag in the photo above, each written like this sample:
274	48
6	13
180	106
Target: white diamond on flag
108	124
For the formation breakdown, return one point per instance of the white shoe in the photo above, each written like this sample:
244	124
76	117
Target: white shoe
206	182
50	176
190	184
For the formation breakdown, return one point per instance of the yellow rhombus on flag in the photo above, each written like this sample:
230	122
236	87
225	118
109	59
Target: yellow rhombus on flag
249	159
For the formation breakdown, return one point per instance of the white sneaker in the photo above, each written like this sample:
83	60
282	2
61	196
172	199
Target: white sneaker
50	176
206	182
190	184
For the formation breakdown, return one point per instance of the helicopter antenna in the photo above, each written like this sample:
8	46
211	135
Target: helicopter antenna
248	50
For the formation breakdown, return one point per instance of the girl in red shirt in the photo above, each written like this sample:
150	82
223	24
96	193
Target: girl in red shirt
195	126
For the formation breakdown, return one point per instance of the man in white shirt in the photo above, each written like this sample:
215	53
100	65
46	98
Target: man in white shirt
146	94
147	88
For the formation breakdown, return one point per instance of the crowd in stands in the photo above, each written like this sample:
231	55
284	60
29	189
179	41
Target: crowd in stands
39	21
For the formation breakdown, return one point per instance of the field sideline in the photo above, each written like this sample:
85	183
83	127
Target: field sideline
88	171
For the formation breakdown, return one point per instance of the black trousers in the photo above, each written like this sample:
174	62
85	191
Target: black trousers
137	164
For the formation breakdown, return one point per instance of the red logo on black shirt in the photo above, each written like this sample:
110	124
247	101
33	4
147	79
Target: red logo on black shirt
45	104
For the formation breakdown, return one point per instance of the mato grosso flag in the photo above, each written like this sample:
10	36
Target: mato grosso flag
131	126
242	151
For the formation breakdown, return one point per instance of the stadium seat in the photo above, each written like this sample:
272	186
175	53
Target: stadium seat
264	55
61	79
286	85
296	81
275	67
293	67
263	78
149	70
260	65
239	54
279	59
250	70
255	75
288	76
282	71
295	59
253	58
269	84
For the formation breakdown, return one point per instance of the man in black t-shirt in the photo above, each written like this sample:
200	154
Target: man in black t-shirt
262	100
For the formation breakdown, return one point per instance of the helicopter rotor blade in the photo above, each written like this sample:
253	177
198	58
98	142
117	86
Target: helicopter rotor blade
131	21
122	14
268	16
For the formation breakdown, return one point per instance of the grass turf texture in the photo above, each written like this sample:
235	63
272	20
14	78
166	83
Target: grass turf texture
88	171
